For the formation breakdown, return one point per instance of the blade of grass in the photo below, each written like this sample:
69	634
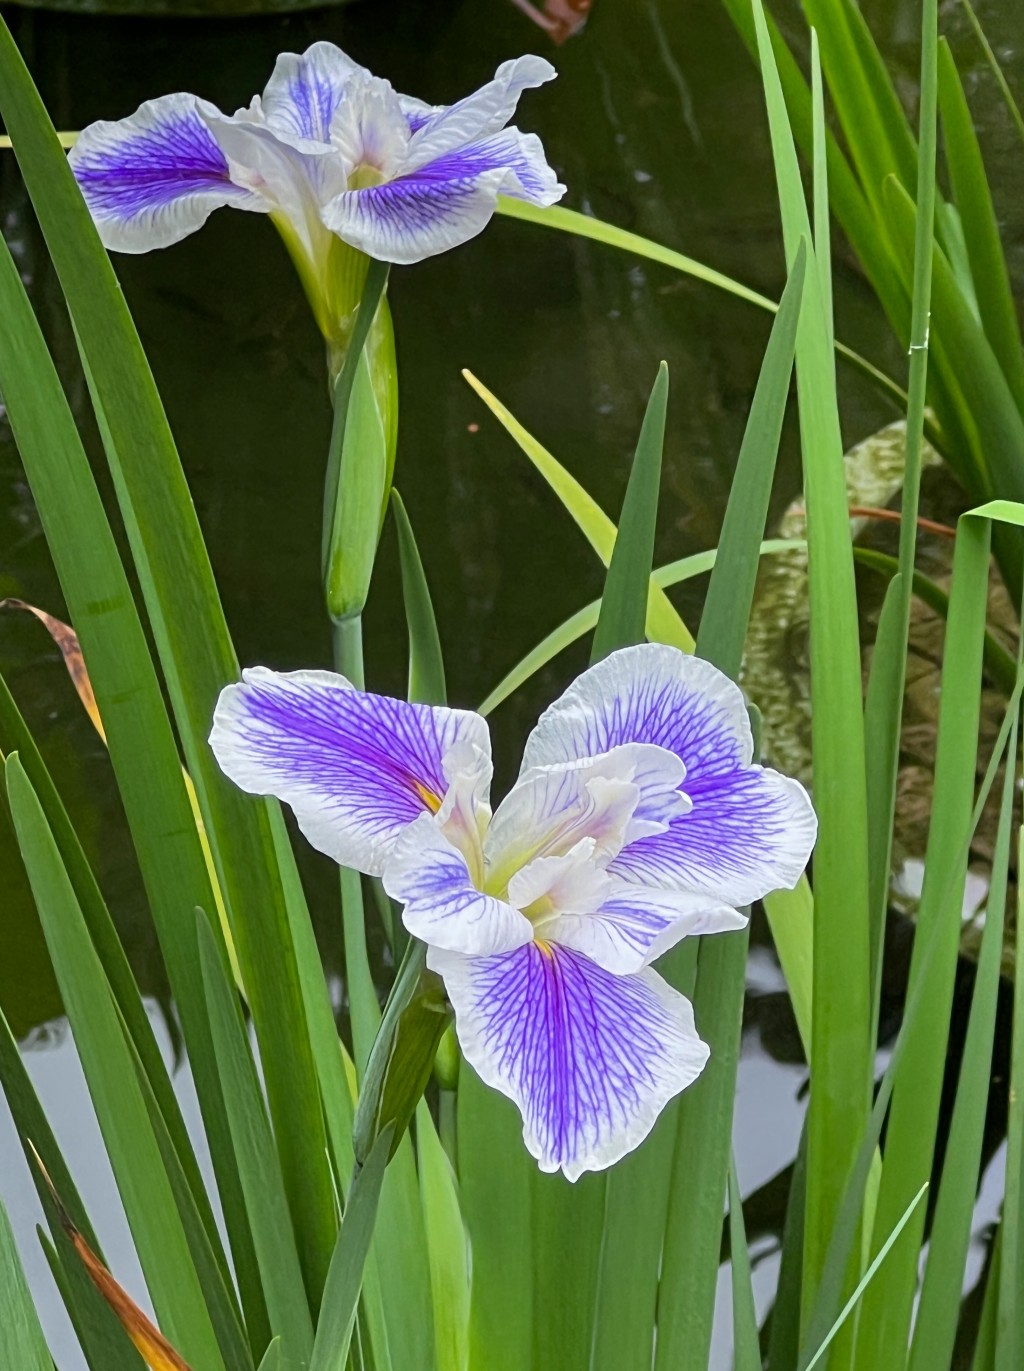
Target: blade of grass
889	666
1000	667
784	1341
884	1320
841	1056
829	1293
104	1343
194	647
497	1203
345	1276
569	1219
106	1060
663	623
22	1344
138	730
585	619
16	737
426	662
447	1247
973	199
935	1326
622	618
746	1347
868	1277
258	1165
995	68
1007	1326
701	1162
597	230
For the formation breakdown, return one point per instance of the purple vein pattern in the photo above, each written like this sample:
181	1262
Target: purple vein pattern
637	820
327	149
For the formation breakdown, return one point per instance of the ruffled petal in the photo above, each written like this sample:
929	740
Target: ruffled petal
431	878
632	926
611	799
157	176
445	202
749	831
747	834
589	1058
356	768
479	115
304	92
648	694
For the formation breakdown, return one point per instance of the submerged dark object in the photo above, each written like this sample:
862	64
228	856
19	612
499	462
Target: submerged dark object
560	19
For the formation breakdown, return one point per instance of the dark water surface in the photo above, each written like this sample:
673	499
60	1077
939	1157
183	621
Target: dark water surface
656	124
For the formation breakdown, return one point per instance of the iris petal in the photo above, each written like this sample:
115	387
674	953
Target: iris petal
444	203
749	831
304	92
356	768
648	694
431	877
589	1058
481	114
157	176
610	799
632	926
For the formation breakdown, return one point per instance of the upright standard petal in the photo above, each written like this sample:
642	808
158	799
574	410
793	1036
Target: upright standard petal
479	115
356	768
431	877
304	92
648	694
589	1058
157	176
749	831
610	799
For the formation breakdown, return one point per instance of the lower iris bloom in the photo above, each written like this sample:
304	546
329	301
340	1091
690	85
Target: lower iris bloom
637	820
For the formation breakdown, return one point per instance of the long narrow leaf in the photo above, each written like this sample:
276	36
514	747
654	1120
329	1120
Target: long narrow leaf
149	1203
194	646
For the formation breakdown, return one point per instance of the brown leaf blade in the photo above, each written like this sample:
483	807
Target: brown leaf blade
149	1342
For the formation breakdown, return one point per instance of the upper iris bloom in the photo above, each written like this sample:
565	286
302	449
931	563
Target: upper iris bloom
637	819
327	150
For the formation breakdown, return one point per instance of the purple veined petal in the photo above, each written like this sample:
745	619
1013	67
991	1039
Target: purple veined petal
444	203
589	1058
749	833
356	768
157	176
648	694
749	830
479	115
629	927
612	799
290	177
418	112
431	878
304	92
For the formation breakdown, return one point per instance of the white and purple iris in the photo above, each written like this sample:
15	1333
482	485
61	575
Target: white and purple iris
329	151
637	819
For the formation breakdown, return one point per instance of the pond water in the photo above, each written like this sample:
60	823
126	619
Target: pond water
655	124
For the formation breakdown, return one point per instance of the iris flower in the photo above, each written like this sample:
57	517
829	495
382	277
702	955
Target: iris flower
329	152
637	819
